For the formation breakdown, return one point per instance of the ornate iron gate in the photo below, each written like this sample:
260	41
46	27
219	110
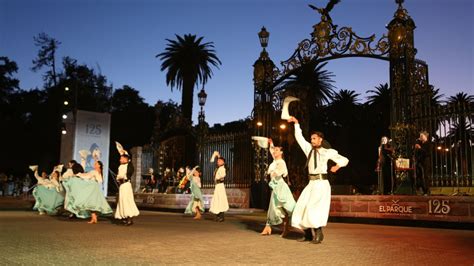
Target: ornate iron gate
236	148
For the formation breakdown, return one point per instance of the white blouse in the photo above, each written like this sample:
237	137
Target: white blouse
67	174
122	171
220	173
93	175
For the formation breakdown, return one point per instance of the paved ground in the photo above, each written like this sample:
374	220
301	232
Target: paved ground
171	238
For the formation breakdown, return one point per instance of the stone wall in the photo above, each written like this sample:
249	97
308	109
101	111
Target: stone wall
428	208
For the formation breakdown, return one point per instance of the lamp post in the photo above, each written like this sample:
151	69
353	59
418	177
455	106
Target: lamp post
263	35
202	97
264	73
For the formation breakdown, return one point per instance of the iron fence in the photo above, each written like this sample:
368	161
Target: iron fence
452	134
236	148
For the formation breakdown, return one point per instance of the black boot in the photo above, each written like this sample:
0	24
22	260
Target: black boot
129	221
220	217
317	235
307	236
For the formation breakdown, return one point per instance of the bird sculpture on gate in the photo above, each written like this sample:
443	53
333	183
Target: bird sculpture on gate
325	11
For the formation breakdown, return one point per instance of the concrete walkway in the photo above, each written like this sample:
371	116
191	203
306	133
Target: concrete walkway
171	238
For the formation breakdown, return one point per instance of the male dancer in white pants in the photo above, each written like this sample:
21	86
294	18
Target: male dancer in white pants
312	208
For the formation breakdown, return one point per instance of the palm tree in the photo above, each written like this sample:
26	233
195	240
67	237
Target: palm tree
346	98
188	61
462	104
378	105
314	87
344	107
381	95
312	79
461	132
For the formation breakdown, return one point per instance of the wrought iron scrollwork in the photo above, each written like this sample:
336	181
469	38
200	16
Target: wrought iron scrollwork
330	42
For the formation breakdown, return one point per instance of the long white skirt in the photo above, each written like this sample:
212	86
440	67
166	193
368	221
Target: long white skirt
312	207
219	201
126	206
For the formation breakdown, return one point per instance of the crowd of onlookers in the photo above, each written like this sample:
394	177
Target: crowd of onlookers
11	185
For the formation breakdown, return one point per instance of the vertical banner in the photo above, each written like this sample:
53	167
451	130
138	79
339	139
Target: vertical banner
92	140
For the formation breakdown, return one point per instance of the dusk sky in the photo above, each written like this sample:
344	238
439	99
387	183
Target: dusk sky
120	39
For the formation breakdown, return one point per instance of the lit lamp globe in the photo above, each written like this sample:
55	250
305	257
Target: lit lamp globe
202	96
263	35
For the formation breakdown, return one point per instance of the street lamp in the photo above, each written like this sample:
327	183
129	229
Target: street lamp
202	97
263	36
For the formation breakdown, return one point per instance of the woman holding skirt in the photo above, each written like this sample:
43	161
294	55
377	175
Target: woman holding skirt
85	198
196	204
48	194
282	202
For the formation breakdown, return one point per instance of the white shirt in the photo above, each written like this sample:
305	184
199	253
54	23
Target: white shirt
43	181
322	155
94	175
220	174
122	171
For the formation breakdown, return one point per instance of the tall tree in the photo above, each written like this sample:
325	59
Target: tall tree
132	120
126	98
188	62
314	86
378	108
344	109
89	90
8	84
461	105
46	57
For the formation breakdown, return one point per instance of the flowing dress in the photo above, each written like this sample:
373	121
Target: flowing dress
282	202
48	195
85	196
196	196
126	207
219	201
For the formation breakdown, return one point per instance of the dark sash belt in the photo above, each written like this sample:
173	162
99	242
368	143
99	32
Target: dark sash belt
318	177
218	181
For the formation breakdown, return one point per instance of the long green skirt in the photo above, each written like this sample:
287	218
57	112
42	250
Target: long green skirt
48	200
281	203
84	196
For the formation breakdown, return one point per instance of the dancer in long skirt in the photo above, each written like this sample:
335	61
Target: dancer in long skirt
219	203
48	194
72	170
312	208
85	198
126	207
282	202
196	204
